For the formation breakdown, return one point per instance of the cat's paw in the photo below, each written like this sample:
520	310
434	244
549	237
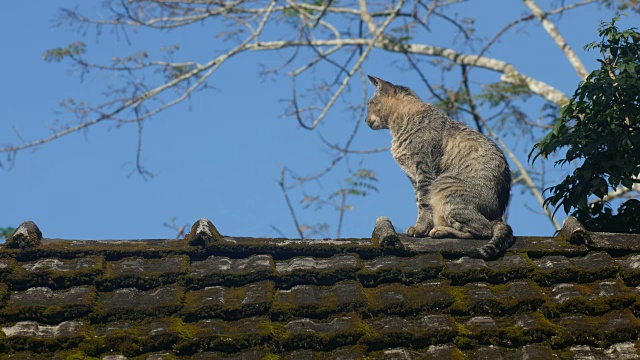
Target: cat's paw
418	230
440	232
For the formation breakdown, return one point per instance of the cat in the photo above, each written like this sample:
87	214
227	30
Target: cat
461	178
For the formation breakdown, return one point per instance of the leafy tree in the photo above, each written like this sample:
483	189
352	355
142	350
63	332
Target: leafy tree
5	232
325	46
600	130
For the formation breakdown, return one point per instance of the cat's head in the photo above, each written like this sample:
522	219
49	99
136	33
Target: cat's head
388	100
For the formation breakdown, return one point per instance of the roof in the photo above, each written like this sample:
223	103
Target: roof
386	297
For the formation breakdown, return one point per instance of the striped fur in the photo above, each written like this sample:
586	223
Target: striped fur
461	179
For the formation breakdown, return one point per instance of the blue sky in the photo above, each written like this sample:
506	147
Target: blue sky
219	155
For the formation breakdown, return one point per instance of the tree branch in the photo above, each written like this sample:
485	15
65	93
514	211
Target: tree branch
551	29
509	72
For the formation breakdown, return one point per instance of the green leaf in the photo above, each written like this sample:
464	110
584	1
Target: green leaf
58	54
626	182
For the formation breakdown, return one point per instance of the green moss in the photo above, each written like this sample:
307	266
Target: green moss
4	294
271	357
543	329
543	246
630	277
460	304
456	354
5	271
463	342
275	330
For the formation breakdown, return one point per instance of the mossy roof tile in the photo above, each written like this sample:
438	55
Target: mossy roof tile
401	269
55	273
228	303
321	265
252	298
615	326
37	330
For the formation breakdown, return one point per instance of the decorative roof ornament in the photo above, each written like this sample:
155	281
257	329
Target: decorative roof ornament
203	233
27	235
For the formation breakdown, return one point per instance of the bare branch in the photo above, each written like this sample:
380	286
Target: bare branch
551	29
173	225
204	71
509	26
281	182
509	72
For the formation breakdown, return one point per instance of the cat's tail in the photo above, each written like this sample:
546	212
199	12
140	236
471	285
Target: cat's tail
501	240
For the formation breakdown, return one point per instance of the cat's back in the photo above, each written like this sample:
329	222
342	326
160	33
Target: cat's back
469	151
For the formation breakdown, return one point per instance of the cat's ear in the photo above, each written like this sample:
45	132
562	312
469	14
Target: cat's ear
381	85
374	80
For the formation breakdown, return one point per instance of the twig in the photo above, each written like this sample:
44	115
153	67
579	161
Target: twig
286	198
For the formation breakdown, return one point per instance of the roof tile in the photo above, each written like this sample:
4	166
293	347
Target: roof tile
401	269
143	273
396	331
229	303
216	270
613	327
409	300
630	269
131	303
34	329
56	273
41	303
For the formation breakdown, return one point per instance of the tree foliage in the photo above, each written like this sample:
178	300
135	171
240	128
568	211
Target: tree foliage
5	232
600	130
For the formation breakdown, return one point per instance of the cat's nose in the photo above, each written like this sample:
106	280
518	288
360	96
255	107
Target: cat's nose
372	121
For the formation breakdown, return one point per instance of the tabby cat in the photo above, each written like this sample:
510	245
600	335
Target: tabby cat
461	179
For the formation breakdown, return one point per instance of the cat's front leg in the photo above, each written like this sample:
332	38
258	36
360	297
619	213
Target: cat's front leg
424	223
422	186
